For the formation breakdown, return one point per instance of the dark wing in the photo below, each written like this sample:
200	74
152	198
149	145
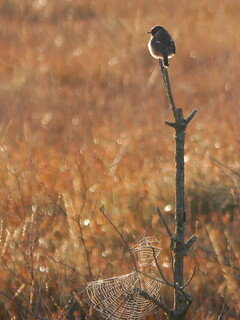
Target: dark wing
166	40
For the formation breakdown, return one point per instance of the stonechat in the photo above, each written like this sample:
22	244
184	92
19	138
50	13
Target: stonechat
161	45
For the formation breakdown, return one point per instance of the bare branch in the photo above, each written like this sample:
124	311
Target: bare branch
170	124
168	312
164	222
158	303
102	209
190	242
192	114
184	312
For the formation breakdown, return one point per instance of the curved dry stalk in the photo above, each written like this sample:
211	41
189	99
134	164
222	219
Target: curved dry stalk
102	209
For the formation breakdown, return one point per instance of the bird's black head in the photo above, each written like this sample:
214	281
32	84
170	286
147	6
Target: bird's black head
155	29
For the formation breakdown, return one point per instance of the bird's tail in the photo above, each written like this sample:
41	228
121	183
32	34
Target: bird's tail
165	61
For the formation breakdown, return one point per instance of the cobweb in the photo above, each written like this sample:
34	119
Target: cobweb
119	298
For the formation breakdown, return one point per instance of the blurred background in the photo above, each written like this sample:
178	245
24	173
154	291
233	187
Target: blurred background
82	111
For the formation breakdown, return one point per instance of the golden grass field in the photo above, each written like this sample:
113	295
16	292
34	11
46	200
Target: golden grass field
82	111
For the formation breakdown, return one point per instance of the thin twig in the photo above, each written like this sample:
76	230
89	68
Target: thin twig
22	296
64	264
52	201
102	209
226	167
212	257
158	267
185	295
11	271
190	279
220	317
20	305
85	250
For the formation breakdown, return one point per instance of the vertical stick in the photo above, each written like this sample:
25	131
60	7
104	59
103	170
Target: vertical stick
179	301
180	126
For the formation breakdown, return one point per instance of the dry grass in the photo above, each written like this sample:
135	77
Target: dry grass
82	123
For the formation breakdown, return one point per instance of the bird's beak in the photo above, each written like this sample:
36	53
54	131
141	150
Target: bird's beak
149	32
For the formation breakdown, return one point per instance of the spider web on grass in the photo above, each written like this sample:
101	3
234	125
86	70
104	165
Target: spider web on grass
119	297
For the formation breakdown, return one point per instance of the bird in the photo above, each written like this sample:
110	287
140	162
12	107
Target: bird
161	45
